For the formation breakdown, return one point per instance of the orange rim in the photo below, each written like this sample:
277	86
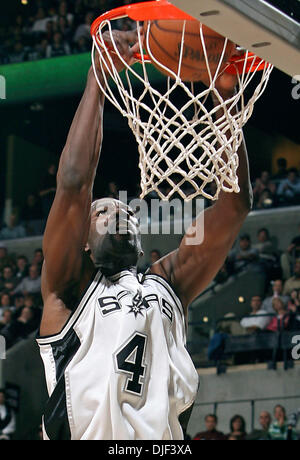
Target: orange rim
145	11
237	64
162	9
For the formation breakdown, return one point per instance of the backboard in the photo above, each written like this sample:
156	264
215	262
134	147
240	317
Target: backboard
257	25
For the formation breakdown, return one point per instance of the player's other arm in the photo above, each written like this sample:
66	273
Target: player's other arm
192	267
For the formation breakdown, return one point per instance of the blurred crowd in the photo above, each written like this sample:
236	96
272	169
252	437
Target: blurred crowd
277	309
280	189
283	189
279	426
51	28
20	294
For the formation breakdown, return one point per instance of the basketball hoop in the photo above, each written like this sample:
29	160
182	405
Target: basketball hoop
183	148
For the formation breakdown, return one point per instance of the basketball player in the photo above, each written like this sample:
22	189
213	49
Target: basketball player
112	341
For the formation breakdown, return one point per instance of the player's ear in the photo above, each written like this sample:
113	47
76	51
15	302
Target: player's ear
87	248
141	253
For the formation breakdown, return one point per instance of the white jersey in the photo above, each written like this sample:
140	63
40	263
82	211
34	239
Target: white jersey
119	369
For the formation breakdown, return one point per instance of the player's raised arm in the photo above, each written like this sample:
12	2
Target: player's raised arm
67	270
192	267
69	219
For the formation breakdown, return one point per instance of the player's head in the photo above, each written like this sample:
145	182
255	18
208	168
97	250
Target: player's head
114	237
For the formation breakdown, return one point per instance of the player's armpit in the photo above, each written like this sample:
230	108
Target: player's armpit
59	305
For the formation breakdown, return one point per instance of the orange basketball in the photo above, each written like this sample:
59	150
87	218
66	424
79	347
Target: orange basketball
165	45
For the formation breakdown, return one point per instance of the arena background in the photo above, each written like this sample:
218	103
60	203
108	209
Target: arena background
42	94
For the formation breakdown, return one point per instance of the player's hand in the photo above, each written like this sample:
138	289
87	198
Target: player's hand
226	83
127	45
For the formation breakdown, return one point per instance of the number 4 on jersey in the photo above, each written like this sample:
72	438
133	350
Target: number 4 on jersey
130	360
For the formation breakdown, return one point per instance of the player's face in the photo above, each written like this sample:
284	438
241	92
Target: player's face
114	237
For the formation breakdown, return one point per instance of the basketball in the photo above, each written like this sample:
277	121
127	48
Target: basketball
165	45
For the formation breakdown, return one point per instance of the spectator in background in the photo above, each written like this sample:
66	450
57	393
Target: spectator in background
254	323
38	50
281	169
78	8
83	30
244	256
237	427
7	418
112	190
20	328
261	184
281	320
264	244
277	287
50	28
262	434
266	250
41	48
294	281
13	229
22	268
82	46
64	29
32	215
18	54
211	433
21	24
222	274
5	260
19	301
266	200
6	318
38	258
279	430
5	304
30	284
231	325
39	435
8	281
58	47
40	23
294	309
289	257
48	189
51	13
29	301
289	188
63	11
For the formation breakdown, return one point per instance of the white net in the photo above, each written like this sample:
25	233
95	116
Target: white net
184	148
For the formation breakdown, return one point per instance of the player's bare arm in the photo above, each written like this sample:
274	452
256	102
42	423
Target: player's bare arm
67	268
192	267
